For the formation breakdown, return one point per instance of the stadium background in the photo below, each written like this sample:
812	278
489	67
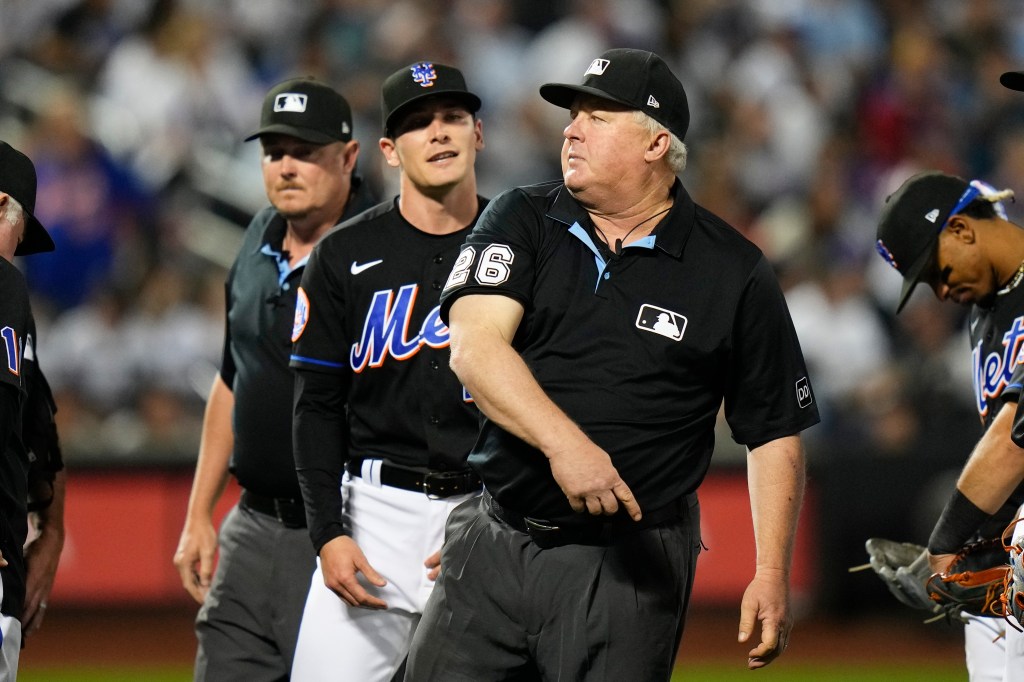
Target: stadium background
805	114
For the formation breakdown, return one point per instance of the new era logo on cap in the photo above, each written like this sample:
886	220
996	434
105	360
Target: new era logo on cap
290	101
651	102
932	215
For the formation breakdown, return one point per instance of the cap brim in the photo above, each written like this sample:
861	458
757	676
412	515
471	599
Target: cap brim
469	98
304	134
563	94
1013	80
912	277
37	239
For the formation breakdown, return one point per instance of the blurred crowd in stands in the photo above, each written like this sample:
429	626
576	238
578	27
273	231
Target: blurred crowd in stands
805	115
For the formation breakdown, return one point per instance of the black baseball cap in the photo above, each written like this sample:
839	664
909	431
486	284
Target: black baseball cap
307	109
1013	80
912	219
418	80
636	78
18	178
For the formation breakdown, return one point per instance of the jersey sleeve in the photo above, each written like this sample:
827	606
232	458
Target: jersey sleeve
768	392
499	256
318	332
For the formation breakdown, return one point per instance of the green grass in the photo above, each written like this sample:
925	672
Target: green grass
822	673
696	673
106	674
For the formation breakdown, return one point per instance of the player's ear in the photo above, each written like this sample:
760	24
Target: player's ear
962	229
387	148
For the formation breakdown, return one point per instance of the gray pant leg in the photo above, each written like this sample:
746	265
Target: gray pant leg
504	609
248	626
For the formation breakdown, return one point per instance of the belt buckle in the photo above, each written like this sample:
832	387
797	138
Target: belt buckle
437	485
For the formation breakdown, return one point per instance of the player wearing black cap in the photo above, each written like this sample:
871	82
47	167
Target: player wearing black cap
954	236
376	405
249	620
21	234
599	323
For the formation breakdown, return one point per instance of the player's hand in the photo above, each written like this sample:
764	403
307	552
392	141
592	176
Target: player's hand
433	563
766	600
194	558
589	479
341	562
3	561
940	562
42	556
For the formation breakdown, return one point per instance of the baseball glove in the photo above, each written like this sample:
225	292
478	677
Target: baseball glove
974	582
1013	595
904	569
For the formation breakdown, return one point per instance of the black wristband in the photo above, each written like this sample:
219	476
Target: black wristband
958	522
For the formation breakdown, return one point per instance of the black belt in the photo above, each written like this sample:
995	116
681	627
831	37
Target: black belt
290	512
436	484
595	530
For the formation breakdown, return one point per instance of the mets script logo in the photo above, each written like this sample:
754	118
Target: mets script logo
424	74
992	372
386	330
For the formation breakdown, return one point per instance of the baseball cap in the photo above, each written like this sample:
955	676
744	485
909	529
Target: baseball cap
1013	80
636	78
416	81
914	216
307	109
18	178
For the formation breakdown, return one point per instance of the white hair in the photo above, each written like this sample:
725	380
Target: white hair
676	156
14	211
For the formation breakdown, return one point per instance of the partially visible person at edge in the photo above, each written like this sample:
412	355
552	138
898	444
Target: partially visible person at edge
32	479
954	236
600	323
249	620
377	406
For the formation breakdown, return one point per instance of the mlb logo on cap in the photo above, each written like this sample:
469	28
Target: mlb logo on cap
290	101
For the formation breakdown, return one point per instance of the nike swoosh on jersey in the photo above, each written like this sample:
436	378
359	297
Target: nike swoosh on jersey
360	267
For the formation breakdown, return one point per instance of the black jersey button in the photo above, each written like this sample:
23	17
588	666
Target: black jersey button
435	420
436	285
438	258
434	364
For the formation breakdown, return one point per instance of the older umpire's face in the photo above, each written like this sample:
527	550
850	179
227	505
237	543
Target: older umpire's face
605	153
307	181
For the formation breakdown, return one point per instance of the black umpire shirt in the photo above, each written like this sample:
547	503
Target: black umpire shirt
640	349
260	292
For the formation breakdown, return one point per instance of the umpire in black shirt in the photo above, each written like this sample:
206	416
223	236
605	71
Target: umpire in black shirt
249	621
600	323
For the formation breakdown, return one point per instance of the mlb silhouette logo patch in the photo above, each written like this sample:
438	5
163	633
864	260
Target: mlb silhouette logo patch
597	67
294	102
660	321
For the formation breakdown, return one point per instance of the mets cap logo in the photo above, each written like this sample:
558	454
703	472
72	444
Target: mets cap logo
301	314
885	253
597	67
290	101
424	74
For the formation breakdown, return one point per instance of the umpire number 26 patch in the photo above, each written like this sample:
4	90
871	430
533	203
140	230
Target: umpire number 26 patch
493	268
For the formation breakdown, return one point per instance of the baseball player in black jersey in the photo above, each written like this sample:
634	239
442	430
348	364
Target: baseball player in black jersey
954	236
249	620
599	323
377	407
21	233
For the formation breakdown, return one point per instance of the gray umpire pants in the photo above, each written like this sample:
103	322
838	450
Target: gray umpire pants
505	609
249	623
